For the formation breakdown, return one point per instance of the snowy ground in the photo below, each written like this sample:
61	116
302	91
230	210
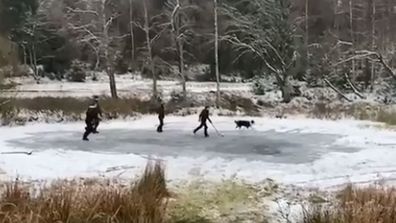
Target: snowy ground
127	85
302	152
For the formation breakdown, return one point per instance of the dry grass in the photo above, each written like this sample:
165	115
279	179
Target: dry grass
335	111
24	110
357	205
70	105
235	103
386	116
360	111
145	201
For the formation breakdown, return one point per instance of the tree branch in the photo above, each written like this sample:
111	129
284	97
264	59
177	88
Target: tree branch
355	90
336	90
69	9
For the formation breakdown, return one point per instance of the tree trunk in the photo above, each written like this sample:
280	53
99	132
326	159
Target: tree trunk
180	47
31	60
373	12
97	63
336	28
216	53
181	65
113	87
24	54
150	55
108	58
34	64
307	27
131	32
352	39
286	94
286	90
367	72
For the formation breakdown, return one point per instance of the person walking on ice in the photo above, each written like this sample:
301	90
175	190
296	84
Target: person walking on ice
91	120
161	116
98	115
203	117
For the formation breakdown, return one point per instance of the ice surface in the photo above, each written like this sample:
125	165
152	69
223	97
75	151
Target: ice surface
292	151
266	146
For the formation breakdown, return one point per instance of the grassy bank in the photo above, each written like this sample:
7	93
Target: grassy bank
143	201
356	205
148	200
22	110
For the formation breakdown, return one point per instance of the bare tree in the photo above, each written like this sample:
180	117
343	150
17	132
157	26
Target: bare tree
32	39
153	28
92	23
265	36
149	49
181	26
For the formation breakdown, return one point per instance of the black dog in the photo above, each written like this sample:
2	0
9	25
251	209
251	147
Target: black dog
243	123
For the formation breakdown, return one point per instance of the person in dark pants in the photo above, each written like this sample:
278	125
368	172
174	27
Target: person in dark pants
98	115
90	121
161	116
203	117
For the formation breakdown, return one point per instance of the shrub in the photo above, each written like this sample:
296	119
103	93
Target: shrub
77	72
258	87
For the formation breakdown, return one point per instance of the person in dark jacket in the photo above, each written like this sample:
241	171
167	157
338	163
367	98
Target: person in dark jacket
203	117
161	116
98	115
90	120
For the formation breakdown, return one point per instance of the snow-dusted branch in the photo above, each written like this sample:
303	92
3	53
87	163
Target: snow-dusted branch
361	54
337	90
355	90
246	48
110	22
82	11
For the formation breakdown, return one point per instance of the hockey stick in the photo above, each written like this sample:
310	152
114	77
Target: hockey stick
217	130
26	153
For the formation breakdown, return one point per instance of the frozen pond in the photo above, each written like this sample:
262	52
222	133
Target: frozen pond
269	146
302	152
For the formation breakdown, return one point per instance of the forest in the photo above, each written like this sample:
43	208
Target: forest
348	45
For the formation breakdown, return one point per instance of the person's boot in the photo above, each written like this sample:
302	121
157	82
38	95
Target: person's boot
95	131
85	136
